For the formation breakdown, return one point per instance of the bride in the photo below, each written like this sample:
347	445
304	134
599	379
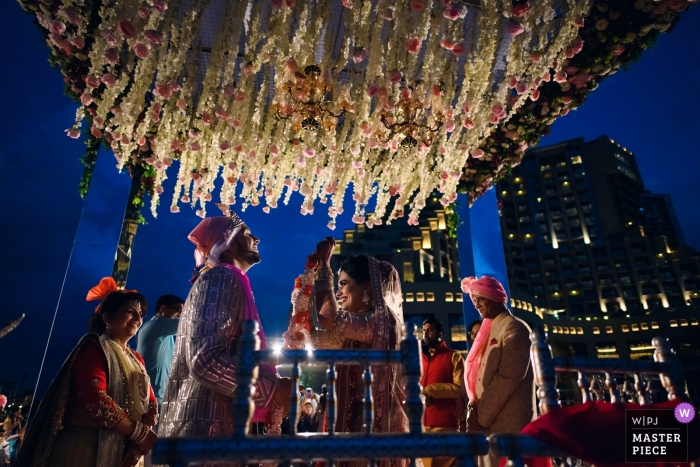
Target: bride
370	317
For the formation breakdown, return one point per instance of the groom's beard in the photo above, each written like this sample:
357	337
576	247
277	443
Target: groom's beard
252	257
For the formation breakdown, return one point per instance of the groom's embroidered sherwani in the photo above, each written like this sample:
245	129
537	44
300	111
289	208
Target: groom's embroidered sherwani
197	400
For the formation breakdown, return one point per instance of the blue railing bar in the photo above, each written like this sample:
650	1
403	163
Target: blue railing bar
357	357
318	447
518	446
609	365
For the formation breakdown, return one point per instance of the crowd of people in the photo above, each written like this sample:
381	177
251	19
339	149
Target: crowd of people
109	403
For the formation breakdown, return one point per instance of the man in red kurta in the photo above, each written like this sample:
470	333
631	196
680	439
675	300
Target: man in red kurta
443	370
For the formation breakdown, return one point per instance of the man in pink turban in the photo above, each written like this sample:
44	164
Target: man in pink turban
499	378
197	400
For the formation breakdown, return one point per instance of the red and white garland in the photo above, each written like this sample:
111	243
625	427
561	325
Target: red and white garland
297	335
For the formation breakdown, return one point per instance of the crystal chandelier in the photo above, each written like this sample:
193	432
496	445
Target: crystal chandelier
309	108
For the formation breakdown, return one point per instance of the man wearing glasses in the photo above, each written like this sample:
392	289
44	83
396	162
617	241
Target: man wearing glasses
156	342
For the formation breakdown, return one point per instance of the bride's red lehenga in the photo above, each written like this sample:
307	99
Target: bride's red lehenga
378	328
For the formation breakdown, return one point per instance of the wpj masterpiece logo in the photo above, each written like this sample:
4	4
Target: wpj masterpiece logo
657	435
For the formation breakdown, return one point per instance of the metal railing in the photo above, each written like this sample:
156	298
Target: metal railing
329	447
545	366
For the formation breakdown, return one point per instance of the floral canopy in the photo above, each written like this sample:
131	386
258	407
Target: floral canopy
398	97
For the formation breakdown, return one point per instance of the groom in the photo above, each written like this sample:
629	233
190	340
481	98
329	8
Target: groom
197	399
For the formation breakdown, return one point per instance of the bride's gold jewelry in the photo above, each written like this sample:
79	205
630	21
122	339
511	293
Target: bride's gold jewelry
324	279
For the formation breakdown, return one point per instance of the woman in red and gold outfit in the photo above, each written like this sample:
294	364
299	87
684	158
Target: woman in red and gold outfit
100	409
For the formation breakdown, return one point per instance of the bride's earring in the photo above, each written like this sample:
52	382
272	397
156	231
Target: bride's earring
365	298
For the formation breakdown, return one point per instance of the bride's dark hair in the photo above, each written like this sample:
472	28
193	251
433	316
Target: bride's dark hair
356	267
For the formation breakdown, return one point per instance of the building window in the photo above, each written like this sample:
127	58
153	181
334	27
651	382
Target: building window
420	297
625	328
449	297
458	296
409	296
426	238
408	271
596	330
608	330
430	296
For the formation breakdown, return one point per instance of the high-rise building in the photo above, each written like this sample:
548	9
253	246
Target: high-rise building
575	234
661	218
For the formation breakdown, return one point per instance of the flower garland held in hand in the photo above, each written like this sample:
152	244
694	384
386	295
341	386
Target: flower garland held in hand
297	335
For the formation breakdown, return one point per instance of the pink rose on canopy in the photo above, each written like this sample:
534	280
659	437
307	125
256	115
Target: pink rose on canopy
126	28
57	27
536	57
579	21
417	5
455	11
515	28
71	15
498	110
446	44
163	90
395	76
73	133
78	41
142	50
359	55
86	99
413	45
309	152
92	81
160	6
207	118
450	126
477	153
535	95
372	90
112	55
468	124
512	82
152	36
521	87
458	49
520	9
560	77
144	13
577	45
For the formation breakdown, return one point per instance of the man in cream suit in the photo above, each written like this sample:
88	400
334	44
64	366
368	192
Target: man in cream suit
499	377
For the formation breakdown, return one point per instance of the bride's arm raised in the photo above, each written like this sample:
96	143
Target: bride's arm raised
326	305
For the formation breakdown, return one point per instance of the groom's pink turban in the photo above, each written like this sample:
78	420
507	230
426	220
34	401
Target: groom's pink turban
485	287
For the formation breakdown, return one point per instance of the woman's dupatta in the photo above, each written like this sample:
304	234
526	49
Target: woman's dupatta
41	435
388	380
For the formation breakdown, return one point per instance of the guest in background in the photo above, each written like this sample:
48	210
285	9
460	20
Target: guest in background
472	331
307	420
443	372
156	342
